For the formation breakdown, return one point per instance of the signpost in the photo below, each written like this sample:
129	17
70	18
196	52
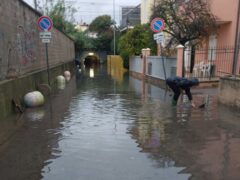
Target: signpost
159	37
45	35
157	26
45	24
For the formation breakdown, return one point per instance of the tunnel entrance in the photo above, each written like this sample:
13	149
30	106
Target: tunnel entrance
91	61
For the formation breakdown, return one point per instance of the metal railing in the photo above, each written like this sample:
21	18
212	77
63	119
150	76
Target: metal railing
210	63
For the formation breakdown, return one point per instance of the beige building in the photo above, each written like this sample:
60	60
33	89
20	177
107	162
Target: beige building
146	10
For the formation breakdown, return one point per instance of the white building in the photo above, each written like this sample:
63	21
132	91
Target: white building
81	27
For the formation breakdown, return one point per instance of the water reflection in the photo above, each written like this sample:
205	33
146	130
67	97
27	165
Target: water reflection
30	141
101	128
200	140
35	114
91	73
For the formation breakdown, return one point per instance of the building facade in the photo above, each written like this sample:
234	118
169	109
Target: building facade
130	16
146	10
223	45
219	54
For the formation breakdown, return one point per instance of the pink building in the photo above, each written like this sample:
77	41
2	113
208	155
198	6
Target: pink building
220	55
227	13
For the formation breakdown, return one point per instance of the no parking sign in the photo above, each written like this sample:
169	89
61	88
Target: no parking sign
157	25
45	23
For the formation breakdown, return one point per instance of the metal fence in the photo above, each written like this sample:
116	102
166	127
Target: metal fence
210	63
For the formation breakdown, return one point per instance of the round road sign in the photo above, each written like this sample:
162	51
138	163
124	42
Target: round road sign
157	25
45	23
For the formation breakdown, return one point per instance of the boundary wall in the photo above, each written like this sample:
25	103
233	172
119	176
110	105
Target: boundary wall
229	91
17	88
21	49
152	68
23	55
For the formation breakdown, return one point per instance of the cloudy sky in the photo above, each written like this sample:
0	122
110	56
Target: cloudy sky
87	10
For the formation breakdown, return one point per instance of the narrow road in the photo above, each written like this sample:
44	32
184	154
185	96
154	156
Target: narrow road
100	128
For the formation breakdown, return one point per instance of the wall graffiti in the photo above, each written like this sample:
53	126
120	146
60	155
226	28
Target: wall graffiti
2	37
26	44
21	50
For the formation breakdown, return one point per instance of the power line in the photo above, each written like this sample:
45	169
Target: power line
95	11
93	3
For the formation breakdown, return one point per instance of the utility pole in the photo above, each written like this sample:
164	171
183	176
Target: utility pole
114	31
35	4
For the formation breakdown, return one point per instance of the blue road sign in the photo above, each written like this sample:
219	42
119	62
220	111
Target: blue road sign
157	25
45	23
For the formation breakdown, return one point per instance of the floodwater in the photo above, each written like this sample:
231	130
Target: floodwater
103	128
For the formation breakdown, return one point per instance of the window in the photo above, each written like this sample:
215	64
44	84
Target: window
212	45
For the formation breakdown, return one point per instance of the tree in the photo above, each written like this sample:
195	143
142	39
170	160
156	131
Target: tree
185	21
60	12
134	41
82	41
62	16
102	26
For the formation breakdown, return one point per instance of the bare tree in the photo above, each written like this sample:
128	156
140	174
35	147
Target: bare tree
185	20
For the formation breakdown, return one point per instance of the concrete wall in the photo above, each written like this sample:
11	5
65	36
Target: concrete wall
17	88
21	50
229	91
154	66
135	64
158	64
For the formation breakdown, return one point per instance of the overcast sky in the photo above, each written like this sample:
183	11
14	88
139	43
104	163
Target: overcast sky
87	10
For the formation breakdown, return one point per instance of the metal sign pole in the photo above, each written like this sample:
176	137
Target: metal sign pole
46	46
114	30
163	64
45	24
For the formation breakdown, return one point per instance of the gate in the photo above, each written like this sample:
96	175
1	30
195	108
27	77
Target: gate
209	63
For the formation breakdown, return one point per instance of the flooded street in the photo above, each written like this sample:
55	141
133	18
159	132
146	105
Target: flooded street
104	128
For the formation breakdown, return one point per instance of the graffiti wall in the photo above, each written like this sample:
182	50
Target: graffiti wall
21	49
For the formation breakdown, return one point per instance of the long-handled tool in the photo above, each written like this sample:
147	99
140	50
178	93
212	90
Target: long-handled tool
203	105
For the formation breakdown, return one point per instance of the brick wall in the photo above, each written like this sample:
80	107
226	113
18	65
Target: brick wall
21	49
